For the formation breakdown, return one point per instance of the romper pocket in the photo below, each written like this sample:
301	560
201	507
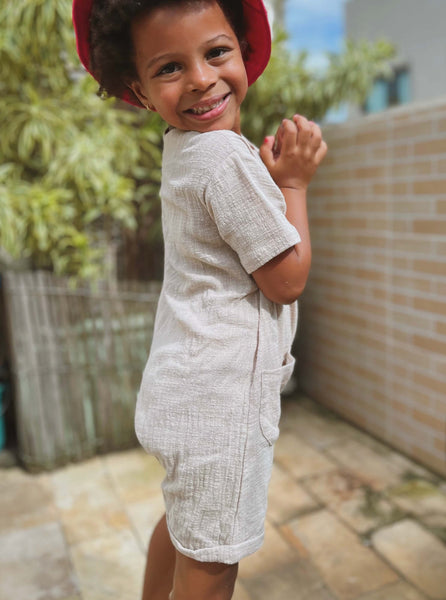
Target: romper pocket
273	383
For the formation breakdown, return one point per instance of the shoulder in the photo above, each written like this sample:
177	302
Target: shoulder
209	150
213	163
221	143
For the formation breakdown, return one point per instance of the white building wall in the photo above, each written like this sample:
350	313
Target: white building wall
417	28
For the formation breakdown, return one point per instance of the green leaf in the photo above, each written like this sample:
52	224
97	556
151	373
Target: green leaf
73	166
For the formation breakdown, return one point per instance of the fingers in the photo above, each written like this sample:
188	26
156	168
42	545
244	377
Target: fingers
266	151
321	152
278	142
298	132
304	128
289	136
310	133
316	136
294	154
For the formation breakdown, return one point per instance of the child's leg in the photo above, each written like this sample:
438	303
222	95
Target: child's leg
160	567
202	581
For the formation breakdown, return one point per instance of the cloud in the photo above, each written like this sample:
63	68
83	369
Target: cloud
316	8
315	25
317	62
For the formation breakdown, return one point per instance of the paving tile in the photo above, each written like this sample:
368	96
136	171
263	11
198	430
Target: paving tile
34	565
25	500
350	431
109	567
345	494
419	497
415	553
298	580
88	477
144	516
274	552
286	498
348	568
332	420
135	475
299	458
374	463
396	591
314	424
97	595
87	501
109	506
436	523
83	523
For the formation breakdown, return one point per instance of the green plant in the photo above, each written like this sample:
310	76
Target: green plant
75	171
289	87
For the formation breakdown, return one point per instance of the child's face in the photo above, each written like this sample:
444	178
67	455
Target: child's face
190	67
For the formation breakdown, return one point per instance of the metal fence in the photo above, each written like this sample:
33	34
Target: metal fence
77	356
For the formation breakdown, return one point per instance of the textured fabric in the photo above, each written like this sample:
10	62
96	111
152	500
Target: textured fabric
209	406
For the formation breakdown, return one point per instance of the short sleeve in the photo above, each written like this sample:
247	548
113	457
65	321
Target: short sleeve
249	210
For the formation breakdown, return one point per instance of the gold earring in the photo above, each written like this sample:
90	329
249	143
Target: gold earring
148	108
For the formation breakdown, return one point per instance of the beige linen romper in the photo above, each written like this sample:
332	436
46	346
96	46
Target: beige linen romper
208	407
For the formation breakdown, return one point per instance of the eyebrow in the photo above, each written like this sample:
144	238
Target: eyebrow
169	55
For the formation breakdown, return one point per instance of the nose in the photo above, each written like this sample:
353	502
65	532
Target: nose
201	77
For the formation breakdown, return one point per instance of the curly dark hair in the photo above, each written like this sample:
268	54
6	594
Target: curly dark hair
112	52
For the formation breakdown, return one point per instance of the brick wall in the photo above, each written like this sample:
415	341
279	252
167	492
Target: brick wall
372	337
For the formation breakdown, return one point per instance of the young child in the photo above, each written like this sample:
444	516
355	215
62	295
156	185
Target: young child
237	256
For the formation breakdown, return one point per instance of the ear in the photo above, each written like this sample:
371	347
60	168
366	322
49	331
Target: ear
136	88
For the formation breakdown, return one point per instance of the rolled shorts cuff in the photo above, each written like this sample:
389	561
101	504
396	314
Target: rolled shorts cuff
228	555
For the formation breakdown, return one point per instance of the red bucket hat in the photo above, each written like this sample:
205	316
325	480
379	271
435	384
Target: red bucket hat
258	36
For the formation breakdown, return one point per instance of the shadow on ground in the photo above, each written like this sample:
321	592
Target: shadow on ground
348	519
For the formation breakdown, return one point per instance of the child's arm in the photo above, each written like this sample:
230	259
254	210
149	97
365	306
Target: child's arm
292	166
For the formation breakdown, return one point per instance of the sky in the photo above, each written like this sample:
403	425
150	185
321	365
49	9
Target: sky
316	26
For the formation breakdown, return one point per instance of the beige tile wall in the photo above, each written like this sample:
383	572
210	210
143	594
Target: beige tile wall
372	336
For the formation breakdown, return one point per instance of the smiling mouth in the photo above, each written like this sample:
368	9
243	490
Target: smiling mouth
201	110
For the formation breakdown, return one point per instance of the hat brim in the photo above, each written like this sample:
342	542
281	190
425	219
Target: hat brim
258	36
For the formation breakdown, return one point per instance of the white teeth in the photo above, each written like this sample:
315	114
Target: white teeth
205	109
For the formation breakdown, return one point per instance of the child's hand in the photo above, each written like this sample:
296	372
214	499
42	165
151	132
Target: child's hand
293	156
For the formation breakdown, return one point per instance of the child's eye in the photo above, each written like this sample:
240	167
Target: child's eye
217	52
169	69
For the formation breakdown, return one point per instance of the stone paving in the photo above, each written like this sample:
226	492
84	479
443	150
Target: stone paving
348	519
